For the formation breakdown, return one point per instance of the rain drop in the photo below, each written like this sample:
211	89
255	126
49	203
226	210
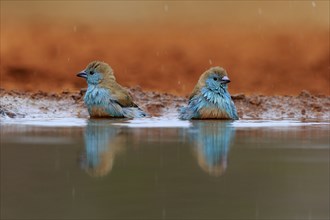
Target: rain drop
166	8
73	192
164	213
313	4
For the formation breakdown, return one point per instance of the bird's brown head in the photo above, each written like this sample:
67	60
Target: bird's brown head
212	79
217	74
97	72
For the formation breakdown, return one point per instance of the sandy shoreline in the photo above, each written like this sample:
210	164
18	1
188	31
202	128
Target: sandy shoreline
305	106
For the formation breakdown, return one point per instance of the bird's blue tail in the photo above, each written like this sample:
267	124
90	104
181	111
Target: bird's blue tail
132	112
185	113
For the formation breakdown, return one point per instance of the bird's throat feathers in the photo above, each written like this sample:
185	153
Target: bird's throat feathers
219	98
96	95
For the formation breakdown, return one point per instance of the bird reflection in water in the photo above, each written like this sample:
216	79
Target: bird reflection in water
102	142
212	140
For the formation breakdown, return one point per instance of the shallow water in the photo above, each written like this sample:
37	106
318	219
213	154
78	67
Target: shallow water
163	168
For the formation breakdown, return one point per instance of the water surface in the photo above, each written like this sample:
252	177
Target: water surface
161	168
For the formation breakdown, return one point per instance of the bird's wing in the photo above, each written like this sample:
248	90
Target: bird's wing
122	96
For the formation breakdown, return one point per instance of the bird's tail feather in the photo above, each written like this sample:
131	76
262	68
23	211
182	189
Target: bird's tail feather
185	113
132	112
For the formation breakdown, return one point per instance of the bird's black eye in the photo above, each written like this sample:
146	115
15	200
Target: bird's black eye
91	72
215	78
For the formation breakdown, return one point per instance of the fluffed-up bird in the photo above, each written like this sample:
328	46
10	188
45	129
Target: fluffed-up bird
210	98
104	96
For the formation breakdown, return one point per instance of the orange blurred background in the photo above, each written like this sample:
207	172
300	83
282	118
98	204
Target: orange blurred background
267	47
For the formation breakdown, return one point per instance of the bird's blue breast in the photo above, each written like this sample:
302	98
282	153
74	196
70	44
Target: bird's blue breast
210	104
216	103
97	96
100	103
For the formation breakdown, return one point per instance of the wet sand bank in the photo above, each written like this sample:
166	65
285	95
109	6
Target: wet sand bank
305	106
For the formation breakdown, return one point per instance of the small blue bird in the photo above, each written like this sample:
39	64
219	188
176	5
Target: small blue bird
104	96
210	98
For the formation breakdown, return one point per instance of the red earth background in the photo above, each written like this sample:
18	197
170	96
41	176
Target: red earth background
267	47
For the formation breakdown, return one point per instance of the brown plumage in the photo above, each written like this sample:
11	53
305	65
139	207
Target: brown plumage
109	82
210	98
104	96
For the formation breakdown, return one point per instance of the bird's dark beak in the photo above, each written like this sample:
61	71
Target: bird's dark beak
225	80
82	74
